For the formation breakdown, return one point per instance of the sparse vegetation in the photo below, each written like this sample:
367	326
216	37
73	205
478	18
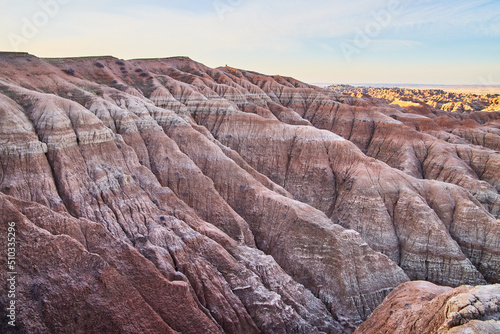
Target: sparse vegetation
91	90
69	71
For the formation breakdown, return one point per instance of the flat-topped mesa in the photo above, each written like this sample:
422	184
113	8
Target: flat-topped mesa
13	54
254	203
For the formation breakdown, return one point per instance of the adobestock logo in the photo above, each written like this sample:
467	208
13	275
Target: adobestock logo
31	26
489	80
224	6
363	37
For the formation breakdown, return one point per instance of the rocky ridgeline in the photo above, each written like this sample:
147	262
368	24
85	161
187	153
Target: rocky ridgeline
163	196
436	98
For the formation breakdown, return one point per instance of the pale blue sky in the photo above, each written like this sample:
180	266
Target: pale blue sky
420	41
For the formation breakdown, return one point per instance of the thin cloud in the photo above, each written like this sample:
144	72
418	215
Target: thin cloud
479	13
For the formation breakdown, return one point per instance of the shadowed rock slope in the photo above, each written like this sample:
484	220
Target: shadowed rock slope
163	196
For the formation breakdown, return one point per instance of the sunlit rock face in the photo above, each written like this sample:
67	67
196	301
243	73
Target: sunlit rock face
163	196
459	99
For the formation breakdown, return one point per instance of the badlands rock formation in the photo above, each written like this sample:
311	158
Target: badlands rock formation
422	307
464	102
163	196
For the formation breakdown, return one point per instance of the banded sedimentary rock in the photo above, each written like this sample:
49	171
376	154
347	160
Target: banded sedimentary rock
254	203
422	307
